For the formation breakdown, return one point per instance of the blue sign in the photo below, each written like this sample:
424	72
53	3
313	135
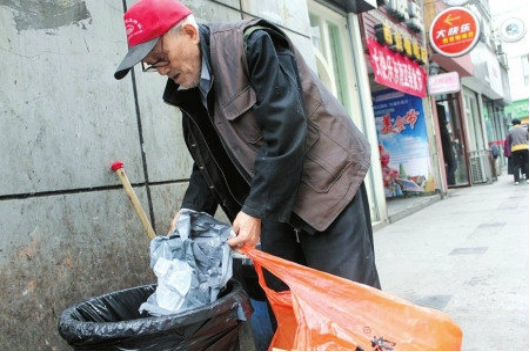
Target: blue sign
403	143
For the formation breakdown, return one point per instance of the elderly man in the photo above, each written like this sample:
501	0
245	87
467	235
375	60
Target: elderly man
271	145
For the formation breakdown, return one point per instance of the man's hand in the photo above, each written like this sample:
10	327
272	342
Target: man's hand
247	229
173	224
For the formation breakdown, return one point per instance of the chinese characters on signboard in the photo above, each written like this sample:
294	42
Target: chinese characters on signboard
454	32
399	124
444	83
394	71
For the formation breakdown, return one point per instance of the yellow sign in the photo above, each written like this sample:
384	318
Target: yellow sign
383	34
416	51
398	42
424	55
408	46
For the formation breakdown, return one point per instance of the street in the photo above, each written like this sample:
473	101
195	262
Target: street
466	255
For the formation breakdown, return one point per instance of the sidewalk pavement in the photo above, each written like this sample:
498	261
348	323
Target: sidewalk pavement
466	255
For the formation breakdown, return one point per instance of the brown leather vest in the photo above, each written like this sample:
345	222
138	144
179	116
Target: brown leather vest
338	155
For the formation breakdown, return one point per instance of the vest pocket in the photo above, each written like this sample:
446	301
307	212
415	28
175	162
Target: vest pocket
325	160
238	112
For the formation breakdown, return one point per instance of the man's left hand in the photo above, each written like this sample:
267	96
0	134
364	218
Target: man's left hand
247	229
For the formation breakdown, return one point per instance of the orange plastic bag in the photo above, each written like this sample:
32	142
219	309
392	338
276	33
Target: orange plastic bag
323	312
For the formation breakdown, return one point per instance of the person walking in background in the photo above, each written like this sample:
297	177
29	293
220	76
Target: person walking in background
518	141
508	154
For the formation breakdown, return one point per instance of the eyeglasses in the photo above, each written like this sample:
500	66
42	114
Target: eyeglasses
161	62
153	67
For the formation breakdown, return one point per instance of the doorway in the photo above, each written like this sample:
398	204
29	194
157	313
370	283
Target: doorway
454	146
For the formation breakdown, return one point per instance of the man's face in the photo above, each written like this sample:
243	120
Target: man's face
183	55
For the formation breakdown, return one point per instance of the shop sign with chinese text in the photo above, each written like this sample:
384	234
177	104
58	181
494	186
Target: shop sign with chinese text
444	83
395	71
454	32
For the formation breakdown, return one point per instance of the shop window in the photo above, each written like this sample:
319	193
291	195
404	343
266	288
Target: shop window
327	41
476	140
488	120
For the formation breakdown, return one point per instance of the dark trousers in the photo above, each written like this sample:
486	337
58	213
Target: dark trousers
450	172
520	163
345	249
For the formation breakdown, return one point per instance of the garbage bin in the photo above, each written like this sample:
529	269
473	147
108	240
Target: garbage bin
113	322
260	322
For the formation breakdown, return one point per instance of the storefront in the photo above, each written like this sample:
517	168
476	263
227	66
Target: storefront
479	91
396	57
496	130
460	114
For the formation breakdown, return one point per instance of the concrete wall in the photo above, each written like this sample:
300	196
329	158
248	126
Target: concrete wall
67	229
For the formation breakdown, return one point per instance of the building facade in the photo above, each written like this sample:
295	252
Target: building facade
68	231
511	39
473	115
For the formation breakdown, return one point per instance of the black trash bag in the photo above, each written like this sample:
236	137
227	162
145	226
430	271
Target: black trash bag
113	322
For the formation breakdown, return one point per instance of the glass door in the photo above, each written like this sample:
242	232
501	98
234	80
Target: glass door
479	156
455	154
476	140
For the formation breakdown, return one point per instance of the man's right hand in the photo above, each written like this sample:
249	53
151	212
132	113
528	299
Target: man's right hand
173	225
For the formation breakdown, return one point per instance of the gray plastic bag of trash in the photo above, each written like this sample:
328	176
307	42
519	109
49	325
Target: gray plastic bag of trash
192	265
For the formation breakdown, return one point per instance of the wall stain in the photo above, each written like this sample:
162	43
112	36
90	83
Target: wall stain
39	283
48	14
30	250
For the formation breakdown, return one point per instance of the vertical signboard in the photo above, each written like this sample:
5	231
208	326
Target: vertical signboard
403	144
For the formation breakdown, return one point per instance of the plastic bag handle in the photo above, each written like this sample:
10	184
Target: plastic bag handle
259	271
272	295
261	278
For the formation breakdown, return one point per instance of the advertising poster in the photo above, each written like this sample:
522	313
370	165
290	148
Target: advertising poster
403	144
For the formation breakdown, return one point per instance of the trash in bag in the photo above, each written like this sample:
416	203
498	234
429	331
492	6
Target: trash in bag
325	312
113	322
192	265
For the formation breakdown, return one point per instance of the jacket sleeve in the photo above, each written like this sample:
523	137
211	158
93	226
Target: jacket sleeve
280	115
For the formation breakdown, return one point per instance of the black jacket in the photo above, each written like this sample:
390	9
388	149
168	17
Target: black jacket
270	193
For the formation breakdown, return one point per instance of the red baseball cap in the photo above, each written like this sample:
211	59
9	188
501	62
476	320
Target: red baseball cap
145	22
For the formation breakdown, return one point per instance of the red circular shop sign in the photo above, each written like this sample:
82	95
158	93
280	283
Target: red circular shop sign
454	32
